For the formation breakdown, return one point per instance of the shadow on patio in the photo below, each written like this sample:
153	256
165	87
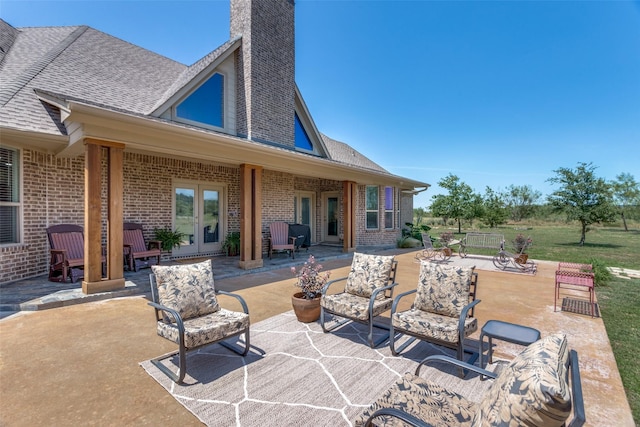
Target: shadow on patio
77	363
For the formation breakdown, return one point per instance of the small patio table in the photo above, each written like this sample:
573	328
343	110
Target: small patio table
505	331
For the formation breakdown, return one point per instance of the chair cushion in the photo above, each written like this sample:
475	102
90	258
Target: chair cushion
368	273
423	399
443	289
206	329
187	288
532	390
432	325
354	306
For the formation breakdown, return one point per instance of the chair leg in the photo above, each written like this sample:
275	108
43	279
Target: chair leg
179	377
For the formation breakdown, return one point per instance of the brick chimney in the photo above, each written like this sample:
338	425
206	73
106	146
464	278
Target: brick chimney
265	69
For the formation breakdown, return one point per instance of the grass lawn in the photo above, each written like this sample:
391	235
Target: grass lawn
619	300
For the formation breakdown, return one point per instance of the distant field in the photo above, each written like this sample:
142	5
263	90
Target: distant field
619	300
559	242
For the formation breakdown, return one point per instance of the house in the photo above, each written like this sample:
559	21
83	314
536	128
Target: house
96	131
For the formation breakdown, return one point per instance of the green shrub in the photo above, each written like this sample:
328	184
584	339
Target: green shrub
601	272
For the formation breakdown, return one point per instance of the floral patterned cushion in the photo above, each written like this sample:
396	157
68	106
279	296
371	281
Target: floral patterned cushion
432	325
532	390
368	273
210	328
188	289
423	399
443	289
353	306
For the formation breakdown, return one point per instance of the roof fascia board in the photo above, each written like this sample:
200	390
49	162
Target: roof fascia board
152	135
38	140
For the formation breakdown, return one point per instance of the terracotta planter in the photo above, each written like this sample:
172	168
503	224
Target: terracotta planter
447	251
522	258
307	310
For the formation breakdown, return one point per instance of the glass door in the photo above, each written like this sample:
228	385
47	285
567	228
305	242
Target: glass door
197	213
331	217
303	210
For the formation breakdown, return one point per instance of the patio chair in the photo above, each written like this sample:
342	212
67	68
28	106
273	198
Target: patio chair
368	292
442	312
188	313
67	253
429	253
139	254
279	239
540	387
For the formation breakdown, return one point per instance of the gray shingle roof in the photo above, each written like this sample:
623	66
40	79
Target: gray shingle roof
81	63
343	153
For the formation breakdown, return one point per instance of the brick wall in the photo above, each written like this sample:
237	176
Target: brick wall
54	194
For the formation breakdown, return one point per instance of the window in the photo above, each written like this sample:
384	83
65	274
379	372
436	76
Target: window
10	206
371	203
301	138
388	207
205	104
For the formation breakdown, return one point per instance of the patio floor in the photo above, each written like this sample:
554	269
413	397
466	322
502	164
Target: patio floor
71	359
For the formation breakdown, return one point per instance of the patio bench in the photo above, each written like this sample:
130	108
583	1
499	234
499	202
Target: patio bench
574	276
480	241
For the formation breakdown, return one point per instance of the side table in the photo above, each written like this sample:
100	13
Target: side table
505	331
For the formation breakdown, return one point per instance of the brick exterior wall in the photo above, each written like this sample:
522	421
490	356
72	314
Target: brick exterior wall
54	194
266	69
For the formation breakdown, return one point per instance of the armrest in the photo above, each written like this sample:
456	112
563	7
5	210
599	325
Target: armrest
374	295
128	249
292	239
450	360
463	317
60	252
325	288
172	312
236	296
397	299
396	413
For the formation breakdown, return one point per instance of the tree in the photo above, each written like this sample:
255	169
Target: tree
582	196
521	200
495	210
456	204
419	214
626	193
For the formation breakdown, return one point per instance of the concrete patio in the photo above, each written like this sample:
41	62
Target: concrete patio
73	360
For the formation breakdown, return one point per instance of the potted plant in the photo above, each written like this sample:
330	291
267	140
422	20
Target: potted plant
520	245
231	243
445	239
170	238
310	281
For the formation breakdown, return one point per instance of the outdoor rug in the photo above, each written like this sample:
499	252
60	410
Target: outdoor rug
579	306
297	375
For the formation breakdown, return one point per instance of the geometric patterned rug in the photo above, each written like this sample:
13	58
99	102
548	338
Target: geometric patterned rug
297	375
579	306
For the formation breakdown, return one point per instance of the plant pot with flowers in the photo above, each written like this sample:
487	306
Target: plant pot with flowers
310	281
520	245
445	240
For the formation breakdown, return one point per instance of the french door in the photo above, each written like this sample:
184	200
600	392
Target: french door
199	213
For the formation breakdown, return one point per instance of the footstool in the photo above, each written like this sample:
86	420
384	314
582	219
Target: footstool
505	331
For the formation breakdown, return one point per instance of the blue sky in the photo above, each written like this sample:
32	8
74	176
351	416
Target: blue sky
495	92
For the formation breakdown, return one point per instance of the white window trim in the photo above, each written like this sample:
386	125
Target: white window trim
20	204
377	211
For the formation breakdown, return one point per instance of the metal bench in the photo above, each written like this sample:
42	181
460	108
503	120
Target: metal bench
480	241
575	276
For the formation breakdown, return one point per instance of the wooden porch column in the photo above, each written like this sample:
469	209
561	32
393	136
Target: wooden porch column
93	281
349	202
250	216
